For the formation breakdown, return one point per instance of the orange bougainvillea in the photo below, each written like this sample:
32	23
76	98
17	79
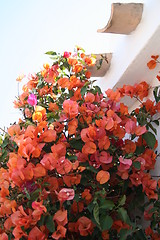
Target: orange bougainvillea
77	165
103	176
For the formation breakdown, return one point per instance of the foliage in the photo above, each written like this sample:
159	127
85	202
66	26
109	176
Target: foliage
77	165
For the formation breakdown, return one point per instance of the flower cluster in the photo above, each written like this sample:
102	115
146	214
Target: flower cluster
77	165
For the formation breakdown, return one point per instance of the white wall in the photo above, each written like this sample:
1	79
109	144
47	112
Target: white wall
128	47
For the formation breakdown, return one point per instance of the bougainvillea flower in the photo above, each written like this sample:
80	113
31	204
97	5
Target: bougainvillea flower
72	126
58	150
86	195
48	136
66	194
32	99
70	108
35	234
124	164
85	226
118	225
39	206
104	143
67	54
39	114
77	207
63	166
39	171
3	236
61	217
72	180
48	161
89	148
105	157
59	233
14	130
18	233
89	97
103	176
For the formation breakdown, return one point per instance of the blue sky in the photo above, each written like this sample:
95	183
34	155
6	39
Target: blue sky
29	28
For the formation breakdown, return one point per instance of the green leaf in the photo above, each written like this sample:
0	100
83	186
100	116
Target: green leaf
156	94
137	165
156	122
123	214
83	90
150	139
122	200
140	150
41	221
50	223
106	222
76	144
90	207
106	204
72	157
97	89
96	213
140	235
51	53
153	129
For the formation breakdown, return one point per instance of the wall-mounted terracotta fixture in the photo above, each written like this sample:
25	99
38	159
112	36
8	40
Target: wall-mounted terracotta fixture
102	65
124	19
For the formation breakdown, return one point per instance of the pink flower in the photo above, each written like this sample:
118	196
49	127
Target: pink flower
124	164
66	194
66	54
105	157
32	99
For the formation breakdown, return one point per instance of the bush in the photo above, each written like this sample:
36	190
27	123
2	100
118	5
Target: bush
77	165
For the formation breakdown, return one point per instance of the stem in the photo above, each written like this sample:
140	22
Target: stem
3	130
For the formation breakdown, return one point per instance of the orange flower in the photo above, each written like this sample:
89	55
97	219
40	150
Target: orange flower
72	126
77	68
3	236
88	134
48	161
72	180
59	150
70	108
48	136
61	217
14	130
129	147
35	234
39	113
18	233
105	235
86	195
39	171
90	61
77	207
118	225
53	107
89	148
88	74
103	176
63	82
90	97
59	233
104	143
72	61
151	64
85	226
114	96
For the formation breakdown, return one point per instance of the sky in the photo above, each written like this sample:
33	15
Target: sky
29	28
